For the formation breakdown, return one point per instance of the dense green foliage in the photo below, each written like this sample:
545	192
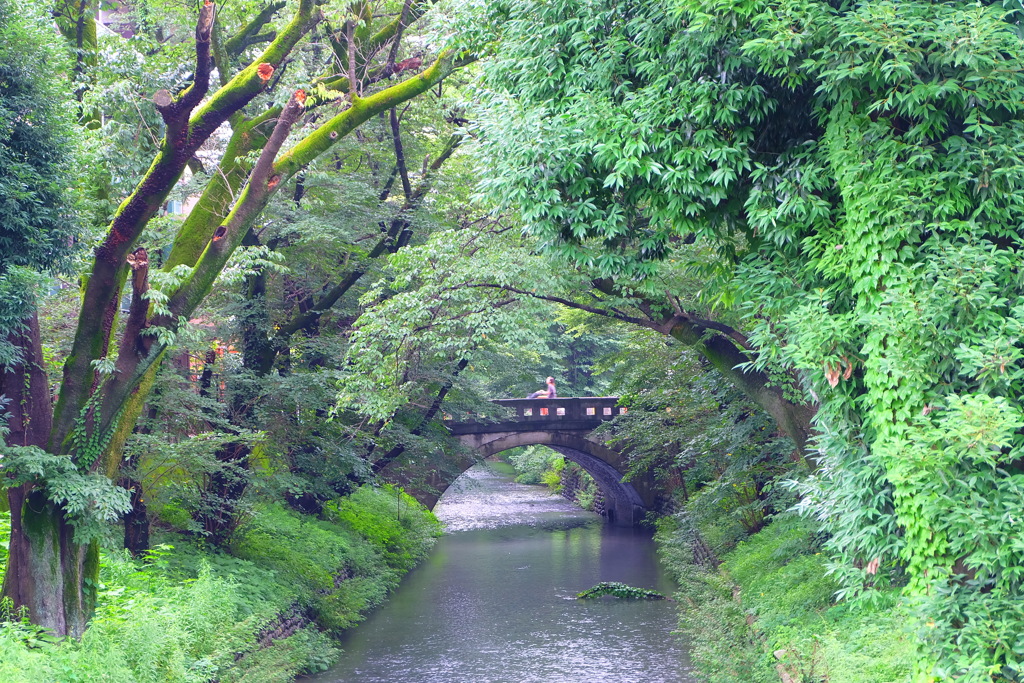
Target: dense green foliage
771	603
830	188
845	177
183	613
535	464
37	145
229	222
37	153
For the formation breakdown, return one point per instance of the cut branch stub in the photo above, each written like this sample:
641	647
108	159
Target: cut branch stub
265	71
138	259
204	27
162	99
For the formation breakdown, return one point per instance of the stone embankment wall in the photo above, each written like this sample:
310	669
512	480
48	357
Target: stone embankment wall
581	489
291	620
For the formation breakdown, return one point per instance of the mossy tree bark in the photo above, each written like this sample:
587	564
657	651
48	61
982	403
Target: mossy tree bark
46	569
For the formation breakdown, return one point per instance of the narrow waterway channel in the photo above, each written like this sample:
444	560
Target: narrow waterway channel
494	603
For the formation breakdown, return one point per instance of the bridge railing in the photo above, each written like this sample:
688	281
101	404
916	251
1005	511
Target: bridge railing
569	409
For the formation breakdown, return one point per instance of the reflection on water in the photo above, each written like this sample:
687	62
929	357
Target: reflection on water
485	498
494	602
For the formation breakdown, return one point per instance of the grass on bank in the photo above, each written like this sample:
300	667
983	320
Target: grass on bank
188	614
771	602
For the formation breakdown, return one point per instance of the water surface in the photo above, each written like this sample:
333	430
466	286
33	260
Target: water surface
494	601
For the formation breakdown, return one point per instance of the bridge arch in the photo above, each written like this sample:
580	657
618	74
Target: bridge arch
565	425
624	504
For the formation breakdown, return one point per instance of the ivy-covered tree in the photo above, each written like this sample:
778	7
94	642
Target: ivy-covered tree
842	183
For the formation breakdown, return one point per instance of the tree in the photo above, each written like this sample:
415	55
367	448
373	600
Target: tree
842	182
37	226
103	390
268	328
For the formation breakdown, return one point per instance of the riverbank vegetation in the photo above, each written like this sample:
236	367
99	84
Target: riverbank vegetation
541	465
254	257
768	611
262	609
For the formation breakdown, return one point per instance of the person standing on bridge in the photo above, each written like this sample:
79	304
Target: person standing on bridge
546	393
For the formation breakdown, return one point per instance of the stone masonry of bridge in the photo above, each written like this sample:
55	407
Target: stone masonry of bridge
566	425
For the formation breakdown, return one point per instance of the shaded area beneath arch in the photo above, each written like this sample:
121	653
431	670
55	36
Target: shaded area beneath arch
626	503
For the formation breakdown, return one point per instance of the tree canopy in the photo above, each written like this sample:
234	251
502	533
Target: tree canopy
822	199
853	170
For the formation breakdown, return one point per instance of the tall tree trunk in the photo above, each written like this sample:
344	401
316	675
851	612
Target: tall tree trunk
47	572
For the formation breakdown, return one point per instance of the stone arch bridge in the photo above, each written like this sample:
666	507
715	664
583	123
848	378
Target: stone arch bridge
565	425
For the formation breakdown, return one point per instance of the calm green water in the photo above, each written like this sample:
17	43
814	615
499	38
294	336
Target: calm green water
493	603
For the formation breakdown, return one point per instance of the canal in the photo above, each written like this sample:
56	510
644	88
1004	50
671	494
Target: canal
494	603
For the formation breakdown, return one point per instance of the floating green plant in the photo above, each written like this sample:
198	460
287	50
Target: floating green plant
619	590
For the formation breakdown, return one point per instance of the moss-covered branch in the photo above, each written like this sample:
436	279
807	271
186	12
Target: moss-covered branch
792	418
110	269
249	33
252	201
362	109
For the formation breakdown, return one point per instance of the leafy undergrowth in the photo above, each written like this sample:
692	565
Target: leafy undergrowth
186	614
771	602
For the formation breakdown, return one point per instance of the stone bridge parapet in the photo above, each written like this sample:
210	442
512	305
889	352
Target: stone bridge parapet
572	414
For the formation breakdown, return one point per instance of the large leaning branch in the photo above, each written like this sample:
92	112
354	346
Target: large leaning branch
110	268
716	343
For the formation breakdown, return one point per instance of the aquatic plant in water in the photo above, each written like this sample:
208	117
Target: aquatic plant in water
619	590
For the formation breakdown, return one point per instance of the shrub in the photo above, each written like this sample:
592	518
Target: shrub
187	614
392	521
534	463
772	595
